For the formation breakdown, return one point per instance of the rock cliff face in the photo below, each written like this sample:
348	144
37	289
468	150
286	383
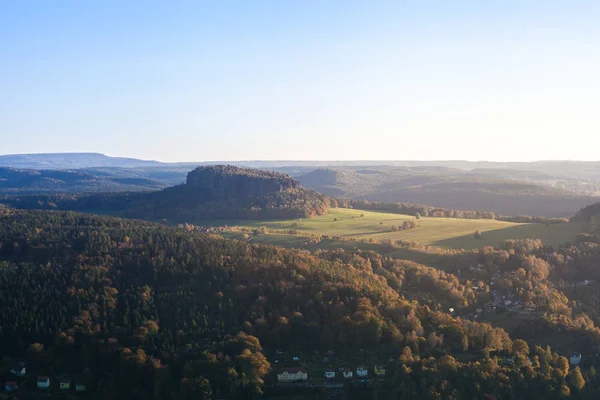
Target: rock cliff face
228	182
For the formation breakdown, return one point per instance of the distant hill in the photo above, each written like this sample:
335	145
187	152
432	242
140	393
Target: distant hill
589	214
17	181
210	192
450	188
70	161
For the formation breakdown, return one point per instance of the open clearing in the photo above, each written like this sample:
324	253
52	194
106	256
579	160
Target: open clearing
449	233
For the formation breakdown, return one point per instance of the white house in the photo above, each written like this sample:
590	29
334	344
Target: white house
348	373
329	374
43	382
575	359
362	371
19	369
292	375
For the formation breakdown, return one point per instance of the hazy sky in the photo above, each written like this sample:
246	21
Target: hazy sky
230	80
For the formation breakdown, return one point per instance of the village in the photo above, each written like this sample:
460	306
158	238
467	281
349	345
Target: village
18	380
332	372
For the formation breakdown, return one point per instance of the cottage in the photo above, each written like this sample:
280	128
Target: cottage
11	386
19	369
79	387
362	371
292	375
347	373
43	382
65	383
575	359
329	374
379	370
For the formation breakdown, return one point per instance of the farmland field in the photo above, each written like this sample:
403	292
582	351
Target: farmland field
450	233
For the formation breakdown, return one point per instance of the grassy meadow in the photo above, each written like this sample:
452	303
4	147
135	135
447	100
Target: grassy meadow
447	233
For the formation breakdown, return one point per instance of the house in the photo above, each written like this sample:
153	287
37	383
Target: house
362	371
11	386
347	373
19	369
330	374
79	387
379	370
64	383
43	382
575	359
292	375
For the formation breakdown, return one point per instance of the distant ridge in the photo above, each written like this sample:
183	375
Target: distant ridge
71	161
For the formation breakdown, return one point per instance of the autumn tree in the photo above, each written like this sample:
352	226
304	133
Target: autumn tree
576	380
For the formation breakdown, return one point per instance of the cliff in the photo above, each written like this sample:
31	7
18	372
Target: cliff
228	182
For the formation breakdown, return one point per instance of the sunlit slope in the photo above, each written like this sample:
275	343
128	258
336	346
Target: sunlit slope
439	232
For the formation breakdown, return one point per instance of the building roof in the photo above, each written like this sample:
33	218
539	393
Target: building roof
293	370
42	378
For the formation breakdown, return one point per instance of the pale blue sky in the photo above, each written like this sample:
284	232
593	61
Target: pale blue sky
311	79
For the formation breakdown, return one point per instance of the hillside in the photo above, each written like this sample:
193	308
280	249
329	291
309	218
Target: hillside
446	233
209	192
16	181
509	193
172	313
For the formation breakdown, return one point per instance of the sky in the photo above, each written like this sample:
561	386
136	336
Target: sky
302	80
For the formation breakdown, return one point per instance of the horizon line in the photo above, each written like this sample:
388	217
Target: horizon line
299	160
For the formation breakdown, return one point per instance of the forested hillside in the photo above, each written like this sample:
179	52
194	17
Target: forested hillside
506	192
18	181
139	310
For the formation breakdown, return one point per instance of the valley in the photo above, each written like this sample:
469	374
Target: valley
242	283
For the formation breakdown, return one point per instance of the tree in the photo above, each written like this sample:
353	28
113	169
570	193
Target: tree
563	365
418	216
407	355
520	347
565	391
576	380
477	234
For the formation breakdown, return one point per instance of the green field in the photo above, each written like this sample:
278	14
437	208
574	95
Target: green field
448	233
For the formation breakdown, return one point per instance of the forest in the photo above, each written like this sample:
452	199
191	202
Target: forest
143	310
